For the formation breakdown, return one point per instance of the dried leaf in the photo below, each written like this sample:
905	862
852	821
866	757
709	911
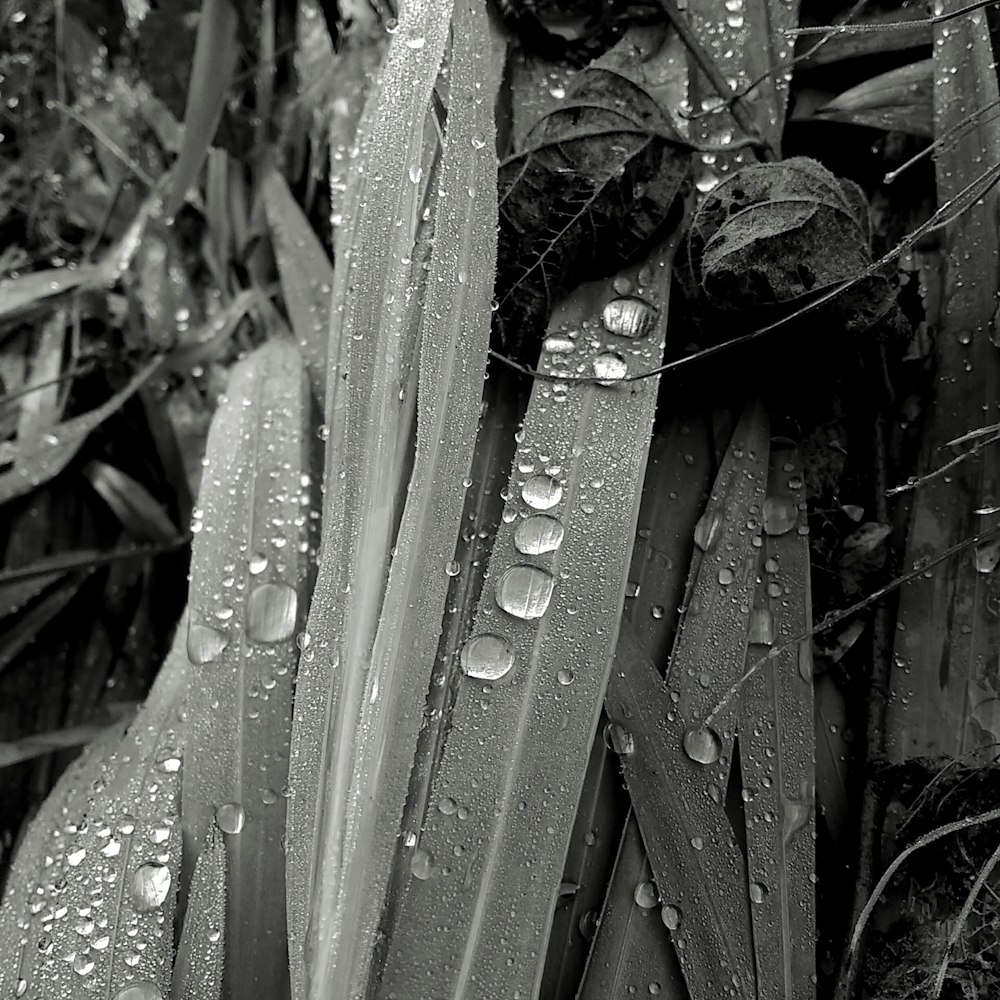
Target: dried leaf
249	574
491	853
601	177
90	898
900	100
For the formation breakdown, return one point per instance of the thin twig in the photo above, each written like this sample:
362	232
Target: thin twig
866	29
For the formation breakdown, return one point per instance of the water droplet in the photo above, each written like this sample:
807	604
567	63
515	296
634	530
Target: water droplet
542	492
780	515
645	895
657	611
715	793
726	576
698	843
205	643
558	343
271	612
538	534
671	916
139	991
415	43
525	591
619	739
761	626
629	316
771	564
422	864
453	567
758	892
448	806
487	657
703	745
564	676
150	885
708	530
609	367
230	817
415	174
83	964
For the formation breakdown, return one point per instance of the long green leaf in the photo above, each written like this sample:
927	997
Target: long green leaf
366	420
89	904
486	871
249	573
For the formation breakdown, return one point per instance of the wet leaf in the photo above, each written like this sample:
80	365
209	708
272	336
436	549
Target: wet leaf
249	574
90	897
900	100
532	684
306	276
140	514
215	53
601	176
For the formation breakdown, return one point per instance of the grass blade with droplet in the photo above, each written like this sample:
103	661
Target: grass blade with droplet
491	853
90	898
777	750
249	573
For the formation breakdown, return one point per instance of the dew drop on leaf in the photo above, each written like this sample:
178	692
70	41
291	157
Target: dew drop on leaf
205	643
726	576
619	739
703	745
139	991
453	567
230	817
525	591
780	515
761	626
645	895
487	657
271	612
558	343
422	864
564	676
609	367
629	316
150	885
541	492
671	916
758	892
448	806
538	534
257	563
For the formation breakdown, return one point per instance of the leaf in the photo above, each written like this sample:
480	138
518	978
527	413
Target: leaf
249	573
601	177
833	755
900	100
678	799
40	458
139	512
199	965
778	747
632	954
368	419
947	625
306	276
491	854
90	898
215	52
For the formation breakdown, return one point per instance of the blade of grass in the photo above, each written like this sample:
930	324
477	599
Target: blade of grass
215	53
679	772
525	714
373	304
777	750
249	573
90	898
139	512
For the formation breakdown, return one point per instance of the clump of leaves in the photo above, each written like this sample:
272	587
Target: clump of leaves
600	178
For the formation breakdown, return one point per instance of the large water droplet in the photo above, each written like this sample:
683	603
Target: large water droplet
619	739
487	657
271	612
708	530
780	515
537	534
422	864
761	626
541	492
758	892
558	343
645	895
257	563
703	745
629	316
140	991
150	885
609	367
205	643
671	916
525	591
230	817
